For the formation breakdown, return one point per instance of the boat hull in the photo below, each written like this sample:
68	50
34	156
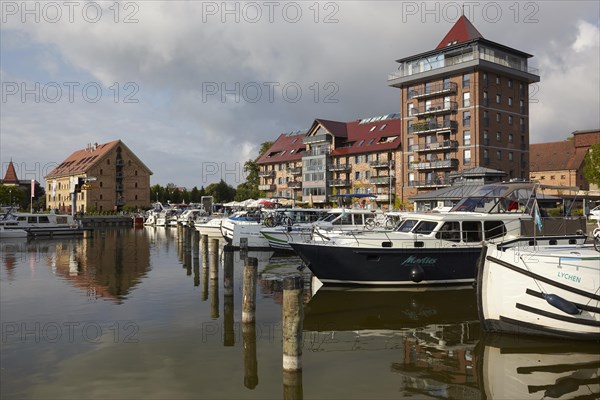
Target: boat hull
521	291
390	266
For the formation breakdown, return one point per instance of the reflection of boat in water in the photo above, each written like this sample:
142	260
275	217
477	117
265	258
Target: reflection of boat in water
512	367
353	309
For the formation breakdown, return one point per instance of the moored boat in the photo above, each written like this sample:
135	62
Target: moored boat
527	288
431	248
37	225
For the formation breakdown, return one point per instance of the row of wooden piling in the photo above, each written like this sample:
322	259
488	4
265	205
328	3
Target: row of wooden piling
202	247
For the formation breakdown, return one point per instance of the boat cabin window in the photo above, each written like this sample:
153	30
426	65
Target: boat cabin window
61	220
21	218
32	220
344	219
425	227
358	219
43	219
472	231
494	229
449	231
407	225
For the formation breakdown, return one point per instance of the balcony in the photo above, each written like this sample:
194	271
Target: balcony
316	152
340	183
473	56
121	201
384	197
382	163
120	162
295	171
445	145
433	90
294	184
340	167
119	188
380	180
316	139
432	126
434	109
266	174
266	188
452	163
429	183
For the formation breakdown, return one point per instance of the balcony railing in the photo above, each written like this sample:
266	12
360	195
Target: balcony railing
266	188
316	152
445	145
120	201
316	139
476	52
380	180
266	174
382	163
119	188
429	183
433	109
340	182
452	163
294	184
432	126
120	162
340	167
384	197
432	90
295	171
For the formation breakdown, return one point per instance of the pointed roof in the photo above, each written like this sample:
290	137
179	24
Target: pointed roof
11	175
462	31
82	160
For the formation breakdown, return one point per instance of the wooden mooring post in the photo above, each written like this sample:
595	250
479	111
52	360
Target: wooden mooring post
249	289
204	255
250	360
195	243
228	307
293	315
213	250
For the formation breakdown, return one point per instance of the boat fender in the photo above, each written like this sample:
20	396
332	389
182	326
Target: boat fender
417	274
562	304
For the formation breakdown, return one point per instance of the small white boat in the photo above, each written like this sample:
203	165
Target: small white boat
209	226
41	224
540	290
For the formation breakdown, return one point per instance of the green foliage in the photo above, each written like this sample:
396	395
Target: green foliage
12	195
591	167
221	192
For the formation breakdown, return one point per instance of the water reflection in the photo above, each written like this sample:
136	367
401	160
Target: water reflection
513	367
107	264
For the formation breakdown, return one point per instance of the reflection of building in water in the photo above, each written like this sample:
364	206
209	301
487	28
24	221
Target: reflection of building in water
108	265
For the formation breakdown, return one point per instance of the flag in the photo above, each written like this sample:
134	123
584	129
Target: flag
536	215
33	188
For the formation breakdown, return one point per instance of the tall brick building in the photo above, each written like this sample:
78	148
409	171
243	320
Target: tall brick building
121	179
464	104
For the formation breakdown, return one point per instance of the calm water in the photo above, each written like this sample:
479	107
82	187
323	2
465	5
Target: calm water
129	314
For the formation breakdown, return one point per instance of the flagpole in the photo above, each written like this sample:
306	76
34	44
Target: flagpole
32	194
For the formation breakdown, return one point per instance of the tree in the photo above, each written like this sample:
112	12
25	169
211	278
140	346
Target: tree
249	189
591	167
12	195
221	192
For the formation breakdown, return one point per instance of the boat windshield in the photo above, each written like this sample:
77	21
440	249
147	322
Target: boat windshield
497	199
407	225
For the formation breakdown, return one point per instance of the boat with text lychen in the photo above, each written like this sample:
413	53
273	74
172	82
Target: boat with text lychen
433	248
527	288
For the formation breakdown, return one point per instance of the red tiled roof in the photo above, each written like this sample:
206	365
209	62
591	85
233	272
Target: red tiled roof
370	137
285	149
555	156
82	160
11	175
354	137
462	31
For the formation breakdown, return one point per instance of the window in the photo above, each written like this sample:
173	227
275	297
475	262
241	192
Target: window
486	140
498	99
485	98
467	138
498	80
382	127
449	231
509	82
466	81
471	231
498	155
466	99
467	157
510	138
498	136
466	118
357	175
510	101
510	119
498	117
494	229
372	128
510	156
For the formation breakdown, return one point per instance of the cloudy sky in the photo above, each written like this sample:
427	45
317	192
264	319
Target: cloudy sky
194	88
